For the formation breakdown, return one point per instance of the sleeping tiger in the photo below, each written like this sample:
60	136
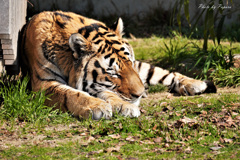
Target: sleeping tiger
88	69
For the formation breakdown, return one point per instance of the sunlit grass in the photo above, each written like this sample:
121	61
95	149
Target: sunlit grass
177	127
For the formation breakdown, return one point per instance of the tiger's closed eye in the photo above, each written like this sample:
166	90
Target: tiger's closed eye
112	73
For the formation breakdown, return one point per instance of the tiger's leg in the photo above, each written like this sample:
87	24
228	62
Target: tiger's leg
119	105
79	103
176	82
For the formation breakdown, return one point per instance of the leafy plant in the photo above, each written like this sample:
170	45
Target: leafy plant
216	56
174	51
24	105
226	77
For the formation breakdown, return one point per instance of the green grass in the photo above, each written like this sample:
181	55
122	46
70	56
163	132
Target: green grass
184	55
137	137
21	104
153	49
229	77
168	128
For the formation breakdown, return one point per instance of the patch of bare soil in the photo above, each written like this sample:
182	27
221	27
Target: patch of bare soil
49	136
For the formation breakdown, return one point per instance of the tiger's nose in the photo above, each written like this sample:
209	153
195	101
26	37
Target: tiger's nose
137	94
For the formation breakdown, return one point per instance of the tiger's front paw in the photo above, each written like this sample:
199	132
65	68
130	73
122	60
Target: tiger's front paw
100	109
130	110
126	109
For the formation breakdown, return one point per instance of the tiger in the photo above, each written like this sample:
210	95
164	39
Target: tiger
89	69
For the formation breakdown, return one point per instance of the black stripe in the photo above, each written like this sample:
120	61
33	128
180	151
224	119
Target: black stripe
113	41
95	75
84	86
150	74
108	42
92	27
162	79
86	33
93	86
106	79
85	83
96	64
61	25
111	35
111	61
51	89
88	29
98	41
102	34
95	37
139	66
106	45
99	49
107	56
172	86
63	16
104	27
126	53
82	20
116	50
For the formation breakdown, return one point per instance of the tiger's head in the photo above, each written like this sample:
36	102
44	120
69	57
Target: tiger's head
105	61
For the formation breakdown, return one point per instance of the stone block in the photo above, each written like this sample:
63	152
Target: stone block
9	56
13	14
6	41
9	62
7	51
7	46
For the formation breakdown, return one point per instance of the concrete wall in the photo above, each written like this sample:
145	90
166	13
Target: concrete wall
133	8
13	14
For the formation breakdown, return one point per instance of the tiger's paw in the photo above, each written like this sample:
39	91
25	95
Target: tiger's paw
130	110
126	109
100	110
191	87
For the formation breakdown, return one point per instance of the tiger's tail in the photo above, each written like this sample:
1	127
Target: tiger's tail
176	82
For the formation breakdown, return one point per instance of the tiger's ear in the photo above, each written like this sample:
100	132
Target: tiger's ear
80	45
118	27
